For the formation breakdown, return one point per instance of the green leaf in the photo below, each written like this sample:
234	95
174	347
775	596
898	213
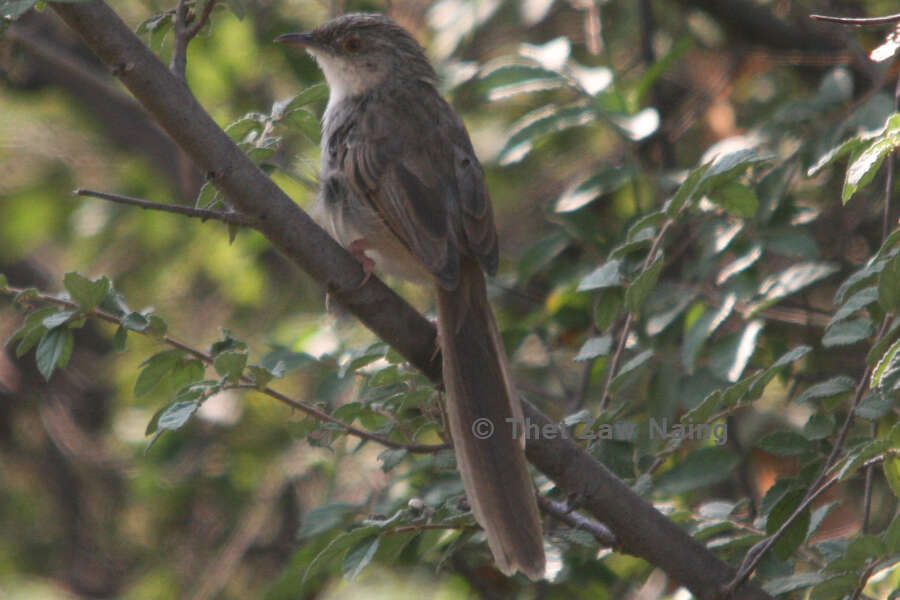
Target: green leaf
338	545
13	9
848	332
729	359
155	369
603	276
359	557
302	121
53	349
607	307
853	145
230	364
703	328
864	276
689	191
594	347
120	339
791	583
4	283
736	199
322	518
874	406
177	414
863	168
791	280
509	80
86	293
237	7
57	319
740	264
238	130
889	285
313	93
818	427
539	123
855	303
585	192
392	457
261	376
628	367
892	536
643	285
785	443
135	322
726	167
884	365
891	467
700	468
826	389
795	534
836	587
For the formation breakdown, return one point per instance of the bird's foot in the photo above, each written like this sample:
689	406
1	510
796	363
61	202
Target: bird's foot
357	249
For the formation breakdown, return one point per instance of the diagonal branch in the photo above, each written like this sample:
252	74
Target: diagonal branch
639	527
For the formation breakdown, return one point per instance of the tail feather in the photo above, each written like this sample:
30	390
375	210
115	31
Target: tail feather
481	397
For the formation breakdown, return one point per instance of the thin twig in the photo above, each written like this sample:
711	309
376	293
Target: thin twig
232	218
246	382
578	521
858	21
626	329
185	32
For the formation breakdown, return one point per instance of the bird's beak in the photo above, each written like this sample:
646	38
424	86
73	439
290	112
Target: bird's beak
305	40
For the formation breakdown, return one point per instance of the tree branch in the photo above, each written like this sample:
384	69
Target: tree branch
189	211
640	528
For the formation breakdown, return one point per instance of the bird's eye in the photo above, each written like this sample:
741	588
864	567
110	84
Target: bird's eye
352	44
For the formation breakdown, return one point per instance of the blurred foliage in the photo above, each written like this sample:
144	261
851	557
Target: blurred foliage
695	247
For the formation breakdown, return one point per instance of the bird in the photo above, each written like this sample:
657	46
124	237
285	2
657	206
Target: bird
403	191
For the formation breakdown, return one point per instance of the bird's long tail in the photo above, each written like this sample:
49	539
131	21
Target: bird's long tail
482	405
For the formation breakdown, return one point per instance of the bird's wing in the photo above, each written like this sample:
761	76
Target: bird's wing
412	160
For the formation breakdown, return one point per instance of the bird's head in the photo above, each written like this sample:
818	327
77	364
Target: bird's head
358	51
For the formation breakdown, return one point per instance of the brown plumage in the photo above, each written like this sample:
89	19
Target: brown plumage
399	174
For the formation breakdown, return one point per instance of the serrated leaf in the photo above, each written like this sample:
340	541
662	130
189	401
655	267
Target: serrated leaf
736	199
874	406
86	293
338	545
785	443
818	427
313	93
230	364
238	129
260	375
847	332
701	468
177	414
154	369
604	276
707	408
52	347
594	347
637	292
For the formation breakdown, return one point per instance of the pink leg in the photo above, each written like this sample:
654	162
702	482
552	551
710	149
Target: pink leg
357	249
